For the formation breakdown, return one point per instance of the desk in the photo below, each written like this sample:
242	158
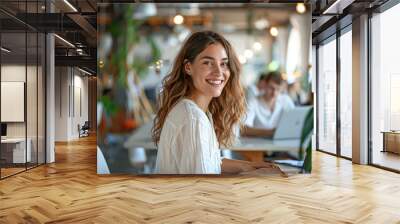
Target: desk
251	148
391	141
16	147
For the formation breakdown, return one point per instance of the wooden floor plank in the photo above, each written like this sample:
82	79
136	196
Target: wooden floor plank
70	191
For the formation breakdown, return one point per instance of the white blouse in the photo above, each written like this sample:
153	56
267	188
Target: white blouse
188	143
259	115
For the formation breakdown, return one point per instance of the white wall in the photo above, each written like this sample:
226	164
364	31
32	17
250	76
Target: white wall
79	117
70	83
33	127
16	73
61	103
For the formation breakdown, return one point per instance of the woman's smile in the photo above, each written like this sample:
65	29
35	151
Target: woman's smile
215	82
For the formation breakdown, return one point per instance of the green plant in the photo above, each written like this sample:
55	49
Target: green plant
125	29
306	134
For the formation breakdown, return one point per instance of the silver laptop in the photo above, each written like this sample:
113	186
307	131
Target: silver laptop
291	123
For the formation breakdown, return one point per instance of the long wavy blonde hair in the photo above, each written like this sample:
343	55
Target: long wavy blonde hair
227	109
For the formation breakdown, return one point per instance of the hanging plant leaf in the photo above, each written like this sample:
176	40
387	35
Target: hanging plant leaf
306	133
155	50
110	108
140	66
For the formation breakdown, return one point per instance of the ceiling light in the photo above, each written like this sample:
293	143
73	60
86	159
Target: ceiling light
178	19
257	46
159	62
273	66
300	8
78	50
70	5
248	53
261	24
5	50
64	40
274	31
43	7
242	59
84	71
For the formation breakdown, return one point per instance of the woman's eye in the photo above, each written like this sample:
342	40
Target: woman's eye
207	63
224	64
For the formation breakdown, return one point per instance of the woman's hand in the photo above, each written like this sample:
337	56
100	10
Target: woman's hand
261	168
231	166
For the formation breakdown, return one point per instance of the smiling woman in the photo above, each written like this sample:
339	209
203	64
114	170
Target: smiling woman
201	103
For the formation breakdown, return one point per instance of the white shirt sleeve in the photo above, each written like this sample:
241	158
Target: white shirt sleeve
191	147
251	112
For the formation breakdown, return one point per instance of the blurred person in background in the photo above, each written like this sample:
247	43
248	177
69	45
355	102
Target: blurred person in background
284	86
200	105
256	89
265	110
296	93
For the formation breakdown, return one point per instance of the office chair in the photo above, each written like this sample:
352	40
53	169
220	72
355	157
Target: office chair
84	130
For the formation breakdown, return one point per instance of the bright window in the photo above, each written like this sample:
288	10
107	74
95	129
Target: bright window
327	97
346	94
385	83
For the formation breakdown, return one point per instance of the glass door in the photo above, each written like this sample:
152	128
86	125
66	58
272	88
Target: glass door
327	96
346	93
385	89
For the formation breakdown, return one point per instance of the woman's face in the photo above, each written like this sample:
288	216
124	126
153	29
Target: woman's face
209	71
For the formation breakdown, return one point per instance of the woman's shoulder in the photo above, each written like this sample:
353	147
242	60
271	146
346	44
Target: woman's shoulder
185	111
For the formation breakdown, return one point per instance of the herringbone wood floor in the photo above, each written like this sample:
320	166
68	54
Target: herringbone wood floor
70	191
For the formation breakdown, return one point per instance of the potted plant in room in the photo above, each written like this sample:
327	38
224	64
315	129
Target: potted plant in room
120	94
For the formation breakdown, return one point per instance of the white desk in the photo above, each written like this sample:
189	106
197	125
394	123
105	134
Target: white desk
264	144
251	148
245	144
19	149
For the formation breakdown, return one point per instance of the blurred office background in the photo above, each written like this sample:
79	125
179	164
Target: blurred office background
138	43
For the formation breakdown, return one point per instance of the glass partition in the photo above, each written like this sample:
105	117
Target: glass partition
14	152
346	94
22	89
385	89
327	97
